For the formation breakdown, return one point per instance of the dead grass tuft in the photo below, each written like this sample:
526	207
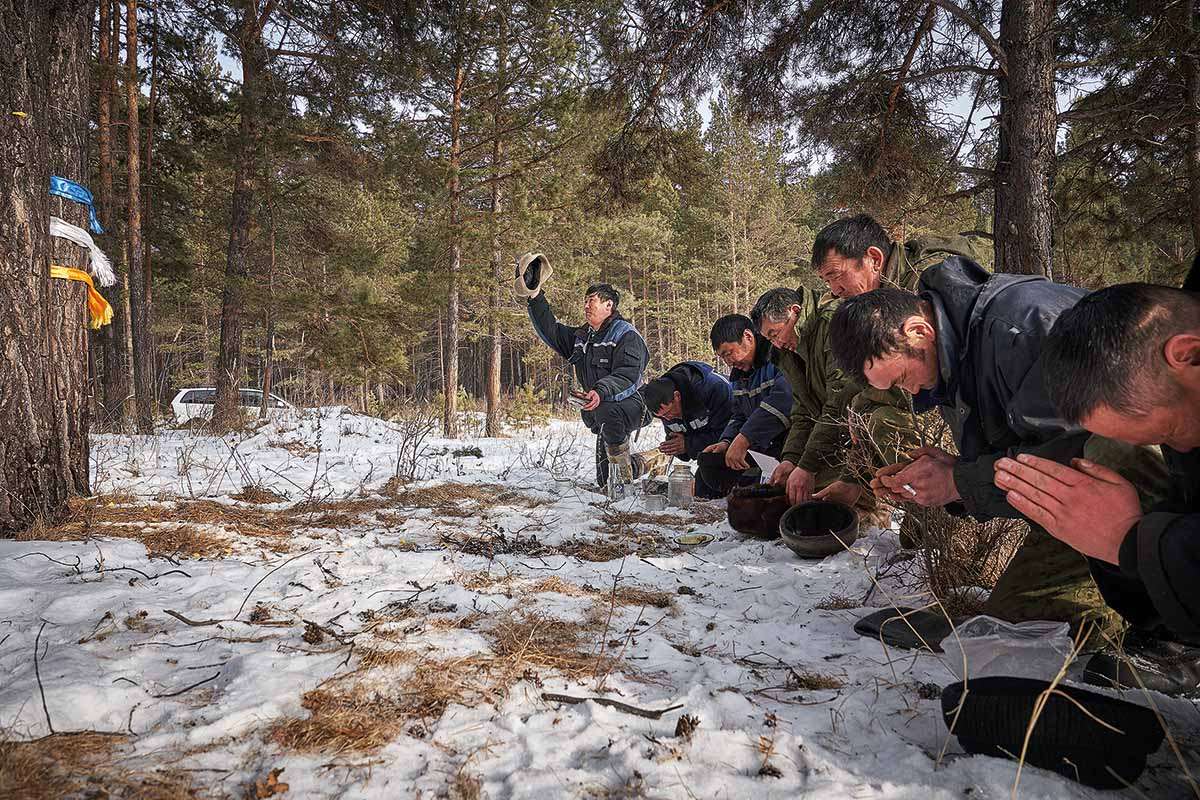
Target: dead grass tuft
259	495
354	718
838	602
596	550
79	764
813	681
448	498
530	640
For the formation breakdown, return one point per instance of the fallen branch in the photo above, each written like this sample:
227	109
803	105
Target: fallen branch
212	677
38	673
195	623
272	572
648	713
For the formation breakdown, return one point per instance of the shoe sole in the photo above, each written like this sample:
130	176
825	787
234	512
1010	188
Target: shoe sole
1066	739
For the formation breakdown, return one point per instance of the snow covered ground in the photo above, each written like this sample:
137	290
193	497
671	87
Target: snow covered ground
380	640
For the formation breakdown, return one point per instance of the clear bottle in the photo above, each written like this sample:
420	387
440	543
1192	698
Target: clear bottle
679	487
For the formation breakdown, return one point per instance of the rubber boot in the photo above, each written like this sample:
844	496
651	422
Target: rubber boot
620	470
1162	665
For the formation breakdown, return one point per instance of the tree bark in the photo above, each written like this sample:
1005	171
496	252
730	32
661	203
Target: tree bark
117	409
269	339
1024	211
495	350
1190	58
143	353
450	392
43	410
248	37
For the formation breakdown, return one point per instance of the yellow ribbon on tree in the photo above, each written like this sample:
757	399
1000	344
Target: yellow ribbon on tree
99	311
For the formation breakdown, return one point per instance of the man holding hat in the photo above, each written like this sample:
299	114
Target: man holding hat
608	355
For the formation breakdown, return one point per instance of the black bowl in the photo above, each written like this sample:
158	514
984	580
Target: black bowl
818	528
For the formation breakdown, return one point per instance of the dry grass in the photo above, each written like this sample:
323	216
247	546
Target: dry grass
813	681
838	602
596	550
176	528
448	498
393	691
259	495
83	764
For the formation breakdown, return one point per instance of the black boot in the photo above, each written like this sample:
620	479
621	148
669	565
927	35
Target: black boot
1163	665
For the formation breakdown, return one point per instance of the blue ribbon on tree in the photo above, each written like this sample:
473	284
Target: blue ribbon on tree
73	191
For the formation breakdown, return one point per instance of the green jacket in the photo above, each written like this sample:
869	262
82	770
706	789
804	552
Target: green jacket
817	433
907	261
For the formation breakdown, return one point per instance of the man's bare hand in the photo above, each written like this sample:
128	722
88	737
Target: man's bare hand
927	481
780	475
882	492
840	492
936	453
1090	508
593	401
735	456
673	445
719	447
800	484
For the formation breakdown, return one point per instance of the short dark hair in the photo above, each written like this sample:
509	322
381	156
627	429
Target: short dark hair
850	236
1107	349
774	305
870	326
658	392
730	328
604	291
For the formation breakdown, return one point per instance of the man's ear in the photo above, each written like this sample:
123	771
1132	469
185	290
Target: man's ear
873	259
917	328
1182	351
748	337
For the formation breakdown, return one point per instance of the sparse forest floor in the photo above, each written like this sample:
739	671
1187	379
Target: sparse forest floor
277	614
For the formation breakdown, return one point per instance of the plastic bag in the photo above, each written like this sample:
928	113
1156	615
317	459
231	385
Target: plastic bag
994	647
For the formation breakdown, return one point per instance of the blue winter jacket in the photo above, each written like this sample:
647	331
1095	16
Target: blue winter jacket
762	401
707	405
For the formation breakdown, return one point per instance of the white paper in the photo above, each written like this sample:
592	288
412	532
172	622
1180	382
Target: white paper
765	463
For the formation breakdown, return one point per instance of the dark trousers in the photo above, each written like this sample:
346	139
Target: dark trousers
714	479
613	423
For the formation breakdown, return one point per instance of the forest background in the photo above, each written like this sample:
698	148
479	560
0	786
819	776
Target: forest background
325	200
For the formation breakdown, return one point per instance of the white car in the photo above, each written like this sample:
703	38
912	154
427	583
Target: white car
198	403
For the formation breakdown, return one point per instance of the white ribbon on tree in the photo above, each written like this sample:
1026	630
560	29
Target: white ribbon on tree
101	268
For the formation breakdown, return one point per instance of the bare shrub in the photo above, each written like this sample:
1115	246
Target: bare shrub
415	424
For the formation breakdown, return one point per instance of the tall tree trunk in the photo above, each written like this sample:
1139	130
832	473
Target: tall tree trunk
226	413
1190	62
269	339
450	394
495	346
148	206
118	396
43	412
1023	211
143	353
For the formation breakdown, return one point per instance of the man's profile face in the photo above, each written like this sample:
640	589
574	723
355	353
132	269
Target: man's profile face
671	410
1173	423
910	369
596	310
850	277
739	354
782	333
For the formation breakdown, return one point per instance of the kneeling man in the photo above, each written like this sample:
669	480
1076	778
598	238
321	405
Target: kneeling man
762	401
694	404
